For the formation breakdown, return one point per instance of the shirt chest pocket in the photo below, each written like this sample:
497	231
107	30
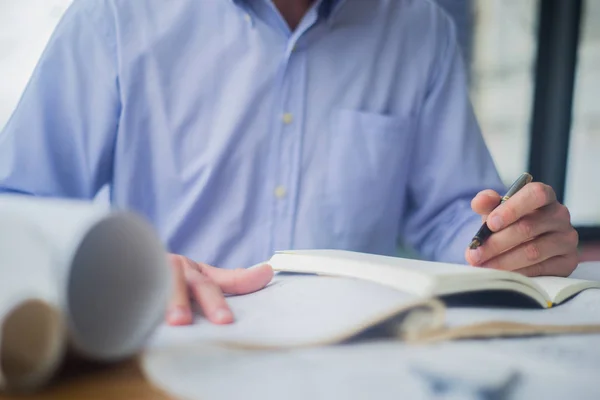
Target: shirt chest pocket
367	161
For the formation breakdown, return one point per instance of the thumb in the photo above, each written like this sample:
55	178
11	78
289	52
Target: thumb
485	202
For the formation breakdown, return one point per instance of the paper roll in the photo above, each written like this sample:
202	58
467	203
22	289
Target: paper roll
32	331
108	267
31	346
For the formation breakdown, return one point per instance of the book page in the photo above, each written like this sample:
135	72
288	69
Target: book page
296	310
422	278
419	277
586	275
559	288
408	264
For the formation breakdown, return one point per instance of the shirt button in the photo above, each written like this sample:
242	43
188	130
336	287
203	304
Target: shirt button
287	118
280	192
248	18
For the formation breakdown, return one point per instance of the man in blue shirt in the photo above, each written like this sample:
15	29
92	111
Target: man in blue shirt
241	127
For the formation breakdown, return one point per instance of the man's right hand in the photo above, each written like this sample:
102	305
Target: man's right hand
205	285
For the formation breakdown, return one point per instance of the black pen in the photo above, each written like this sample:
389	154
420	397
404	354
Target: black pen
484	232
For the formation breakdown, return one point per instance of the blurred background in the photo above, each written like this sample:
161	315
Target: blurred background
534	70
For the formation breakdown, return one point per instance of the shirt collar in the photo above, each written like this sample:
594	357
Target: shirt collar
326	8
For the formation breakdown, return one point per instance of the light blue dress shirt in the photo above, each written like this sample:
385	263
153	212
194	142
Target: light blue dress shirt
236	136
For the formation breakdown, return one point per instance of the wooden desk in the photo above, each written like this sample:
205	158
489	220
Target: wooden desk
122	381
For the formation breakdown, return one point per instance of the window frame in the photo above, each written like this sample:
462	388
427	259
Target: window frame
559	35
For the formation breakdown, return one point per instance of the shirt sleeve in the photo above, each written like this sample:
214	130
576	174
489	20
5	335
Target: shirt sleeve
451	162
59	139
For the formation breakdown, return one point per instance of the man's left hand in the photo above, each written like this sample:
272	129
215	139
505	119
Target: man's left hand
532	235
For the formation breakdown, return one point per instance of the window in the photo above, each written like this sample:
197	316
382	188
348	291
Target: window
582	190
502	83
521	59
26	28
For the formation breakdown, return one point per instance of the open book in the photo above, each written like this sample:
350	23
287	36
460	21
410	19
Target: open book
433	279
321	297
75	279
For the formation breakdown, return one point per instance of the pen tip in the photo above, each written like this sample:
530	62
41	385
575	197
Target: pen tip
474	244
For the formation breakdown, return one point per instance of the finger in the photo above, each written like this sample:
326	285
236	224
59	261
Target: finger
240	281
534	251
545	220
179	311
532	197
555	266
209	296
485	201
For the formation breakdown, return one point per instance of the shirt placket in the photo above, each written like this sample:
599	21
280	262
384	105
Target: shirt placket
290	114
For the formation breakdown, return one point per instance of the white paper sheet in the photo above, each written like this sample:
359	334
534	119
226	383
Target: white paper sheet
482	370
558	367
587	270
294	310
